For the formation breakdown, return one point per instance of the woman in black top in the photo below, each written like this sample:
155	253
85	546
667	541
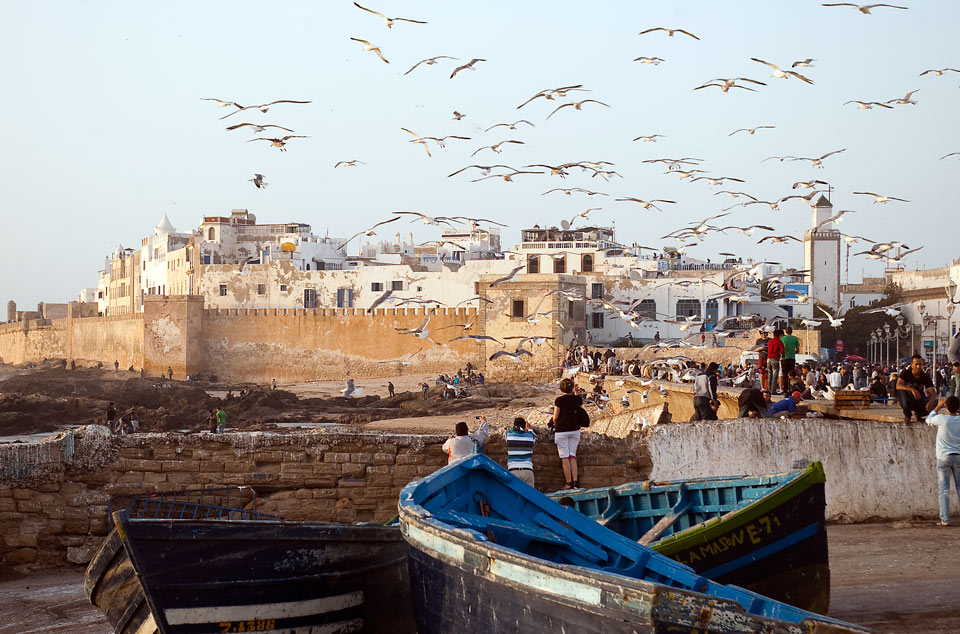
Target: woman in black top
566	424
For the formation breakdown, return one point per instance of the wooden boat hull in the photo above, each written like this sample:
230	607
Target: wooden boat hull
190	576
775	545
474	569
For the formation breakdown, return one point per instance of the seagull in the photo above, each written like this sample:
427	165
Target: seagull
776	239
506	177
477	338
747	231
484	169
863	8
420	331
264	107
803	63
896	259
510	126
936	72
555	170
577	105
350	389
352	163
496	146
281	142
881	199
889	311
905	99
867	105
458	115
818	162
724	87
718	180
783	74
417	139
835	322
569	191
650	60
441	141
427	220
834	218
386	295
258	128
582	214
388	21
851	239
509	277
258	181
810	323
430	61
753	130
468	65
650	137
779	158
366	232
367	46
552	93
669	32
949	155
513	356
684	173
808	184
731	82
647	204
733	194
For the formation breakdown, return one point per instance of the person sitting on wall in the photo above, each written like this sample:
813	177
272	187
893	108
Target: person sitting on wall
785	407
753	403
912	385
463	443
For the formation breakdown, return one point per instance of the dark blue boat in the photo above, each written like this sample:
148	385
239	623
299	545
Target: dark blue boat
766	533
176	567
491	554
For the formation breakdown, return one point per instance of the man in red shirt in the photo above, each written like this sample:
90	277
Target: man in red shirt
775	352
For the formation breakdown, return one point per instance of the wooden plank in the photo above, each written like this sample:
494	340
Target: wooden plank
667	521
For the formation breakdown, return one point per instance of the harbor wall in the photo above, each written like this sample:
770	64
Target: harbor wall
86	340
873	469
55	495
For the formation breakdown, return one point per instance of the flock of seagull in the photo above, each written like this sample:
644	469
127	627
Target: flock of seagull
566	102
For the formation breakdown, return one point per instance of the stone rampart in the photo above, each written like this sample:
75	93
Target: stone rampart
55	495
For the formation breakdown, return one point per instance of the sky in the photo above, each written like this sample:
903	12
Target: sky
106	129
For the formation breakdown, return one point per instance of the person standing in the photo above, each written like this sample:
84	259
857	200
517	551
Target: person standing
760	345
948	452
912	386
520	441
835	379
116	366
791	346
170	373
221	420
954	389
566	422
390	389
463	443
212	421
111	412
774	355
705	391
273	384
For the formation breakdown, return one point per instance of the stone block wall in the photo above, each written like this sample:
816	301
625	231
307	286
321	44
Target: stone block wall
55	495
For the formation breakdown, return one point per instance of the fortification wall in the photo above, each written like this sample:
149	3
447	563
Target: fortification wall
325	344
105	339
55	495
33	340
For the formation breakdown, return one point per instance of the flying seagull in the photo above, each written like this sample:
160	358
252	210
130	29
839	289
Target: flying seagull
258	181
834	321
753	130
818	162
352	163
650	137
386	295
879	198
458	115
513	356
863	8
281	142
420	331
264	107
496	146
367	46
552	93
468	65
834	218
904	100
939	72
867	105
417	139
257	128
782	74
388	21
510	126
430	61
650	60
647	204
366	232
509	277
803	63
576	105
669	32
427	220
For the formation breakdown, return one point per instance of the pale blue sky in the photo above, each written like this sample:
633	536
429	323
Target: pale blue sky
105	130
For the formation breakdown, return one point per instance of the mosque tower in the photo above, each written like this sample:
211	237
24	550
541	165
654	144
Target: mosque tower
821	256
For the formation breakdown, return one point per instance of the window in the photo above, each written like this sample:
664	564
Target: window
206	260
309	298
211	235
396	285
647	309
261	289
533	264
516	309
586	264
596	291
596	320
376	287
560	265
223	290
283	288
344	298
688	307
572	310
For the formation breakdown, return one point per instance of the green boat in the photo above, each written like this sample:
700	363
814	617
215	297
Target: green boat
764	533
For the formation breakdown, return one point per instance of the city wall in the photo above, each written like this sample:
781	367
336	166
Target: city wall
84	340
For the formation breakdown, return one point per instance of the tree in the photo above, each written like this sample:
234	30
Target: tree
771	290
858	324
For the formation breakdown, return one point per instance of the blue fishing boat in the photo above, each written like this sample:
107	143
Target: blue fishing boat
182	567
765	533
491	554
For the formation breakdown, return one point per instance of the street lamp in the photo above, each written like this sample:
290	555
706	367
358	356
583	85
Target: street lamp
886	350
872	347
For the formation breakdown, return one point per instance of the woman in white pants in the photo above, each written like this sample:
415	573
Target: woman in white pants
566	424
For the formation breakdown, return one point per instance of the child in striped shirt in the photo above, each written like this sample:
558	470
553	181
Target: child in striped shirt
520	441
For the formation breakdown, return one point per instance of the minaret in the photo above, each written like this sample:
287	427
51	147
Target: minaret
821	256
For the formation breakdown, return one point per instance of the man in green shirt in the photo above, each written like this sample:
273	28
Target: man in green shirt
221	420
791	346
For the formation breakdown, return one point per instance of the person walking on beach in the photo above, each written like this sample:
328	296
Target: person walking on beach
568	417
116	366
948	452
170	373
390	389
520	441
463	443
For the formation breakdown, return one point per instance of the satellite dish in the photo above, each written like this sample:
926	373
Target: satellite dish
288	247
564	225
727	254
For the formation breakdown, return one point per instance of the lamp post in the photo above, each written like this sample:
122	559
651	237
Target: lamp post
921	309
886	329
900	323
872	348
878	333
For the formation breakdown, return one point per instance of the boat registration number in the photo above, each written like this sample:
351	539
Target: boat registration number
258	625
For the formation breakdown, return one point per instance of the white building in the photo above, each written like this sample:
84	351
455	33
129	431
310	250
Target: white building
821	256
